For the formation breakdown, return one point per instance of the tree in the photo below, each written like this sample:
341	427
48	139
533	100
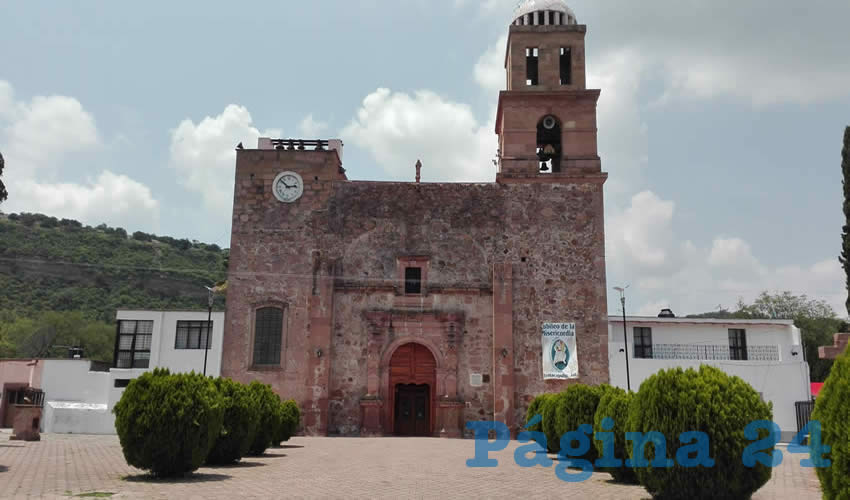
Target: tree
785	305
845	235
3	194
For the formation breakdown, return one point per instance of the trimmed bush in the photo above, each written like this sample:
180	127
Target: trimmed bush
167	424
241	418
268	403
832	410
577	407
615	404
536	408
675	401
288	417
550	407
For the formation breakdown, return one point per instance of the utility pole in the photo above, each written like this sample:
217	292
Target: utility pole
625	334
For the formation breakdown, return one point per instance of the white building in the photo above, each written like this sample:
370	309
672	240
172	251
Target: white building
79	399
767	354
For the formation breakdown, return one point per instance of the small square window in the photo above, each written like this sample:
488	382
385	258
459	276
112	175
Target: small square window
413	280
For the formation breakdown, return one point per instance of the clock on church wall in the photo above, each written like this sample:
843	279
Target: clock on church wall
288	187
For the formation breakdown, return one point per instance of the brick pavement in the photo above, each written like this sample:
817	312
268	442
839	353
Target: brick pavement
63	465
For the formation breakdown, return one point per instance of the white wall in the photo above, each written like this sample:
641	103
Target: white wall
77	418
71	380
80	401
75	398
783	383
701	331
163	353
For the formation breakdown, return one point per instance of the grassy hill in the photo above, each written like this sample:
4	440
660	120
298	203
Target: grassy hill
61	276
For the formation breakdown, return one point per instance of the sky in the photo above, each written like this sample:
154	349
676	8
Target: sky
720	123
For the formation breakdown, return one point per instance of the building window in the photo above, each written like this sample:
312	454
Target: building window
643	342
121	383
268	333
193	335
133	345
737	344
531	66
566	66
413	280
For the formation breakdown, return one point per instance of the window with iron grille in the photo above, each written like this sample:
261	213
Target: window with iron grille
268	334
737	344
566	66
133	345
643	342
413	280
193	335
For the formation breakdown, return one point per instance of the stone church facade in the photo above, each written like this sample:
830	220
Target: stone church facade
408	308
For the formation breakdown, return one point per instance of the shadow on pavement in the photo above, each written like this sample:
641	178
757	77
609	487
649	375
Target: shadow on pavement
190	478
237	465
287	446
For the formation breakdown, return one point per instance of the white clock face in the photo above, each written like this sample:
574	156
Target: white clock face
288	187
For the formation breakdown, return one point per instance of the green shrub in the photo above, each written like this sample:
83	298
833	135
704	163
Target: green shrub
288	417
268	403
534	409
550	407
241	418
675	401
576	407
615	404
832	410
166	423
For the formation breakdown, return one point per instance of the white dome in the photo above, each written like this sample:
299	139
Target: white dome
559	12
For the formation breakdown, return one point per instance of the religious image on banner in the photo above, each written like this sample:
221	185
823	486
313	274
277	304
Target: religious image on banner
560	358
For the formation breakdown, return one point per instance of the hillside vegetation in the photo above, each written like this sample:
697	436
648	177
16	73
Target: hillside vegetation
62	280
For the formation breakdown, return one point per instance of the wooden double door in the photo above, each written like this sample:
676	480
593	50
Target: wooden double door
413	410
412	385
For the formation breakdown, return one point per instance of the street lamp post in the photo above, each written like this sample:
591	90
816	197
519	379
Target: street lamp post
209	326
625	334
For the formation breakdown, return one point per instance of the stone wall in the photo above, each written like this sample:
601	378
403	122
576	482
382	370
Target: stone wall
332	260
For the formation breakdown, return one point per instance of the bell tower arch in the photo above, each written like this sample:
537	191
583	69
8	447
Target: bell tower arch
546	119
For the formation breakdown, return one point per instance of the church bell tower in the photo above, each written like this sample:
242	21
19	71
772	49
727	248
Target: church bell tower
546	119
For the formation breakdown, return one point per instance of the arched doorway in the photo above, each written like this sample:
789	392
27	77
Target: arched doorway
413	378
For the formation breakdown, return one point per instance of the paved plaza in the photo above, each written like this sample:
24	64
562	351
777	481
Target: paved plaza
68	465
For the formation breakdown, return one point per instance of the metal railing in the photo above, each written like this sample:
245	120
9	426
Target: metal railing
300	144
26	397
804	413
709	352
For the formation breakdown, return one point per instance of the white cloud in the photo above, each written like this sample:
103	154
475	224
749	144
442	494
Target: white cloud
310	128
641	236
399	128
39	139
204	156
665	271
489	70
112	199
764	51
39	132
